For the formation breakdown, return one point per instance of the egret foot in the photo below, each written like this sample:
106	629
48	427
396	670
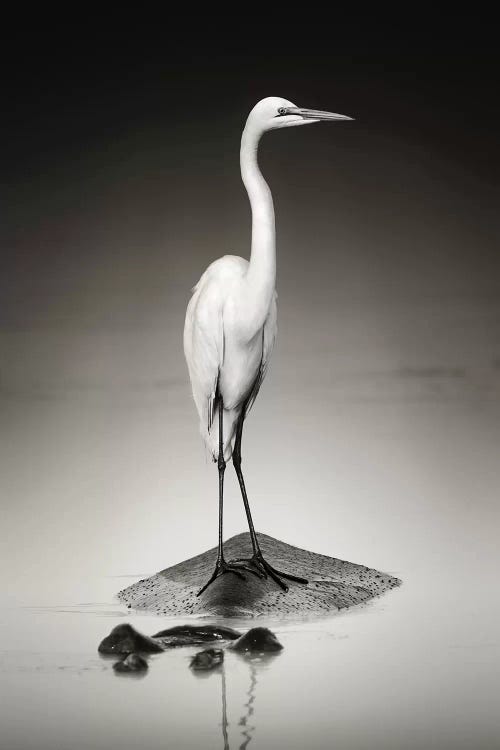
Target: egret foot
258	562
222	567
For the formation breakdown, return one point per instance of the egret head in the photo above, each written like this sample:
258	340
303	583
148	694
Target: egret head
274	112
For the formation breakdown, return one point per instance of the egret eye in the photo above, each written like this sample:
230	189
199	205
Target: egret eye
282	110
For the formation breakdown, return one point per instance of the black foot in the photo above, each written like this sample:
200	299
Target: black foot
257	562
222	567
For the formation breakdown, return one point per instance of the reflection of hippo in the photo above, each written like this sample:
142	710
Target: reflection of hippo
208	659
332	584
131	663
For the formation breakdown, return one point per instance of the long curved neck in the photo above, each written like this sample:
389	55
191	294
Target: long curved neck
261	276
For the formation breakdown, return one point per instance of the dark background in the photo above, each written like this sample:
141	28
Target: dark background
121	183
143	121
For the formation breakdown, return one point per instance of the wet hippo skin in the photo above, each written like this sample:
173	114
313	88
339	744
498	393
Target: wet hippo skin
332	584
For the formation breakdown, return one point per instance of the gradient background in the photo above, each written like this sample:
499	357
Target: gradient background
375	437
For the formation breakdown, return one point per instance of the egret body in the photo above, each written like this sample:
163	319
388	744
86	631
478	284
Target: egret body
230	326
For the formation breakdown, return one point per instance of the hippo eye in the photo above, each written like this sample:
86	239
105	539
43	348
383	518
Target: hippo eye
281	111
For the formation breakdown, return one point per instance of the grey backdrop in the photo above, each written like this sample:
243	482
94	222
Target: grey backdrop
375	435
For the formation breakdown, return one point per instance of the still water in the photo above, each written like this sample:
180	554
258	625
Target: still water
102	474
413	669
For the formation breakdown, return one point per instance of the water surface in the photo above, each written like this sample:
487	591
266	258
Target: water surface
409	670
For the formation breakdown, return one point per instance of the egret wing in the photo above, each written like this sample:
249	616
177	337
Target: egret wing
269	331
204	351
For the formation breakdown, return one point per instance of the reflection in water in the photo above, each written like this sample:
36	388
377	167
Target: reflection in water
247	729
224	708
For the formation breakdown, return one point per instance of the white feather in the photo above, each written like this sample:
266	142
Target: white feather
218	353
231	319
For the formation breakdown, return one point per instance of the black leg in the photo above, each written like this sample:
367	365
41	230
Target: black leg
221	465
239	474
221	566
257	560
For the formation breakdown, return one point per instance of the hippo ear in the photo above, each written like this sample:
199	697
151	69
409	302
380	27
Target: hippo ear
257	640
124	639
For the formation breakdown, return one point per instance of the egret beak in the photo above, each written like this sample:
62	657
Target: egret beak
313	114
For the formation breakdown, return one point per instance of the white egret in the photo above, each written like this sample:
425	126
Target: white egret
230	326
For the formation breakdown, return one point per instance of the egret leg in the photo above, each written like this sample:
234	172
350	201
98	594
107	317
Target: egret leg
257	560
221	566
